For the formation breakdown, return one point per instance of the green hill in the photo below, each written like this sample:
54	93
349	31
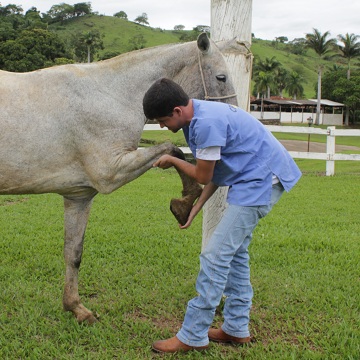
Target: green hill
119	32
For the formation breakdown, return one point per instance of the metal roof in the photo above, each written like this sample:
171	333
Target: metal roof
328	103
309	102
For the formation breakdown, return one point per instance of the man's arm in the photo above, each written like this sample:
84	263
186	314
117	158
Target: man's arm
202	172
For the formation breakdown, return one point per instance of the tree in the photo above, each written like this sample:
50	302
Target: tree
269	67
11	9
263	82
337	87
61	12
349	50
281	76
349	90
121	15
87	44
33	20
294	86
81	9
142	19
31	50
137	42
179	27
330	78
202	28
281	39
297	46
11	19
322	47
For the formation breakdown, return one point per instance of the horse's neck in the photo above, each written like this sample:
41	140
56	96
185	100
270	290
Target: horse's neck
129	76
145	66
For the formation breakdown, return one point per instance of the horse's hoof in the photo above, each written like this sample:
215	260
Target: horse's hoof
83	315
180	209
88	319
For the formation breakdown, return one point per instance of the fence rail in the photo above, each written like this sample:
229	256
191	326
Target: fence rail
329	156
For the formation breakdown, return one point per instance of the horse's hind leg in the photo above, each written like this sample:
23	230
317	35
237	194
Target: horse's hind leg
76	214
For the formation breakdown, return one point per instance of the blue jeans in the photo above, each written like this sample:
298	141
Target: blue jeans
225	270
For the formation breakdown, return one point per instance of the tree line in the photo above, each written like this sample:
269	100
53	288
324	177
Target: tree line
27	44
339	83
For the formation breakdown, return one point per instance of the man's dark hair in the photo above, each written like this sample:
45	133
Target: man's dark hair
162	97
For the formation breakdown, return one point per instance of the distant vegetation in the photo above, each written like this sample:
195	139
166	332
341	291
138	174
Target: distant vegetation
75	33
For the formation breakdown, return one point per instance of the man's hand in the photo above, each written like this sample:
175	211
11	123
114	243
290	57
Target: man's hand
194	211
164	162
206	194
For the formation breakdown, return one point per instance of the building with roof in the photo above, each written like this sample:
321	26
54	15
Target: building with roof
279	110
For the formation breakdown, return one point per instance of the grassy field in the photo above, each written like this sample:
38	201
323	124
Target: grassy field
139	270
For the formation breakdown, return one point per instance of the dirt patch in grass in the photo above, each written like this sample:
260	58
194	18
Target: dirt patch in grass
8	202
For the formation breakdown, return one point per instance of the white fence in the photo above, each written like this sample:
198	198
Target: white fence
329	156
299	117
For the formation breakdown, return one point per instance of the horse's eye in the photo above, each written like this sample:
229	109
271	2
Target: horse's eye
221	78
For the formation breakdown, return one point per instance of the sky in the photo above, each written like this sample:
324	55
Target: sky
270	18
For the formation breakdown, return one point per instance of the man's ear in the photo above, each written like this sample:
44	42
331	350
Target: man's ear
177	110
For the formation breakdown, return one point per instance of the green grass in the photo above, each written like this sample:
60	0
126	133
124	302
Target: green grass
139	270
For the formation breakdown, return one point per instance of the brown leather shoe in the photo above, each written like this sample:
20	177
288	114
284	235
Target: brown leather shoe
218	335
174	345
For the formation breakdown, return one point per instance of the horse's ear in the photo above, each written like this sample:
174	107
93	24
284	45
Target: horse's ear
203	43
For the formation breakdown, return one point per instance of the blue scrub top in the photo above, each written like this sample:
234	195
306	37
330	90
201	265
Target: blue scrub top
250	154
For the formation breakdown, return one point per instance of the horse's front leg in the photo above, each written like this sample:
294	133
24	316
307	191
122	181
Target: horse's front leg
191	191
76	214
135	163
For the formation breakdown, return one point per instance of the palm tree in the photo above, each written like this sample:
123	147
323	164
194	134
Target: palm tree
294	86
267	66
349	50
322	46
263	82
93	41
281	79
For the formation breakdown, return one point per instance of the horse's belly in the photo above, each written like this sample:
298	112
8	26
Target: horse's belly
32	178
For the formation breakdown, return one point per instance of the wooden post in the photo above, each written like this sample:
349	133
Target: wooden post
330	151
230	19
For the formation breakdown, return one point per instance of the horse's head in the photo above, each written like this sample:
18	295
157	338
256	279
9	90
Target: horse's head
209	78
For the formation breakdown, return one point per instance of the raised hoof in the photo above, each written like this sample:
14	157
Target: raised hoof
180	209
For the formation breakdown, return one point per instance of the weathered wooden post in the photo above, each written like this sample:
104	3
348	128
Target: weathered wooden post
330	150
230	19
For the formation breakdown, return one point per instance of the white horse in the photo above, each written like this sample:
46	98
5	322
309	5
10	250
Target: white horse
75	129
